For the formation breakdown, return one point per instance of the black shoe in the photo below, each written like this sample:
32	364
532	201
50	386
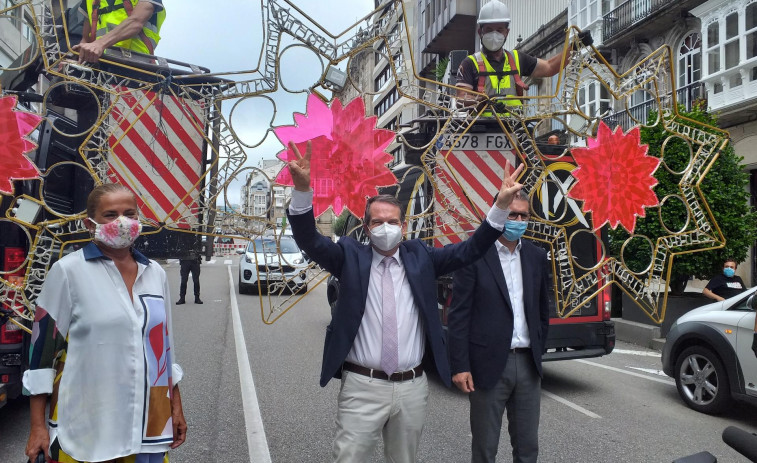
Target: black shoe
197	300
181	301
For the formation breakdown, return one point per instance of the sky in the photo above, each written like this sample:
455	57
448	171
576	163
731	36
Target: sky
226	36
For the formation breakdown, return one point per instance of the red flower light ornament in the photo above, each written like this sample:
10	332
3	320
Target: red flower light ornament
14	126
347	161
615	177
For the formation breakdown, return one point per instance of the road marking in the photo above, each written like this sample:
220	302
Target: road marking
643	353
227	262
631	373
570	404
651	371
257	444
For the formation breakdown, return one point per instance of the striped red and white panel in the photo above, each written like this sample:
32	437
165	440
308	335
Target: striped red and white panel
473	177
157	152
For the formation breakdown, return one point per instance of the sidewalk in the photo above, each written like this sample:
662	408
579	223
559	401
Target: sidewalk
640	334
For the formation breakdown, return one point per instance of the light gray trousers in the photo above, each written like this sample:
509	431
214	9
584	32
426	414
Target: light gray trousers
369	408
518	391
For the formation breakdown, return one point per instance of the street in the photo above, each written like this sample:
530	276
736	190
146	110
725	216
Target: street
616	408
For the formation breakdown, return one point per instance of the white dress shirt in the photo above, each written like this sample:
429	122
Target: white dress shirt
366	350
511	267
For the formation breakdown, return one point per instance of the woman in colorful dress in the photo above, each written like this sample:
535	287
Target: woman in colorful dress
102	348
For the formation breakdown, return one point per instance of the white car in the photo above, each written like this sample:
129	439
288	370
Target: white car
708	351
272	264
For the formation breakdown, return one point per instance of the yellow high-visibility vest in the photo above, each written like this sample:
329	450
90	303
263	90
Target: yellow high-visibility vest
105	15
498	84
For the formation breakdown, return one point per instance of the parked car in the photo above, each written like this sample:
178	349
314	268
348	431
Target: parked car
708	353
269	262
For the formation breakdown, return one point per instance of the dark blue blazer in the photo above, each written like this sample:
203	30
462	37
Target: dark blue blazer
350	261
480	320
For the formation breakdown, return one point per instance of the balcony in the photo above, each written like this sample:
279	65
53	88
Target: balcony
451	27
685	96
634	20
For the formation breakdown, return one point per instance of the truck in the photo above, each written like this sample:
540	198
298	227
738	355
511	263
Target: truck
119	121
444	201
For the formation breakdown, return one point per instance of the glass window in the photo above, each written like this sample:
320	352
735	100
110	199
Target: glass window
713	61
713	34
731	26
751	16
751	44
731	54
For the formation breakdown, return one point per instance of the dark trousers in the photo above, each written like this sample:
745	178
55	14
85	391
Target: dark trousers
518	391
190	265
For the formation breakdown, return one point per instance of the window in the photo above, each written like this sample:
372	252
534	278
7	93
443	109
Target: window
382	79
593	99
387	102
584	12
750	31
689	69
713	48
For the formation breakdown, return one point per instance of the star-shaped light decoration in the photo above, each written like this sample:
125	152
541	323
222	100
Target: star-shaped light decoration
348	161
615	177
14	127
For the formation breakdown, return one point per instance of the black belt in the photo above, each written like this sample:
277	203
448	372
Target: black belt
379	374
520	350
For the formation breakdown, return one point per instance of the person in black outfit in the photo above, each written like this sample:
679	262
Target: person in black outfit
726	285
190	264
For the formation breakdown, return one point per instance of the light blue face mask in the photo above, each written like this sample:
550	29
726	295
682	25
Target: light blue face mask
729	272
514	229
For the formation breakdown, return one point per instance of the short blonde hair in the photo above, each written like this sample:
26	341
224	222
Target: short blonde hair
93	200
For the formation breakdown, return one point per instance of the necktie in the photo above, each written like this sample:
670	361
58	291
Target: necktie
389	347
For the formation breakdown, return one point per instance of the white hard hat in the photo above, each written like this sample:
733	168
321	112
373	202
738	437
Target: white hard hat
494	12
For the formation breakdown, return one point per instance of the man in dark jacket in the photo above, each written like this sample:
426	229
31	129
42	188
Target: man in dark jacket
498	324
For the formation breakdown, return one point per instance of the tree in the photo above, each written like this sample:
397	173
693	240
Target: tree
725	187
340	224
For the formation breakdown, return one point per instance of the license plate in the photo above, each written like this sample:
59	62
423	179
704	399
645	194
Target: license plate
477	141
274	277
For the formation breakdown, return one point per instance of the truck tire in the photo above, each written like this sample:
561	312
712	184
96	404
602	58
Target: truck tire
702	381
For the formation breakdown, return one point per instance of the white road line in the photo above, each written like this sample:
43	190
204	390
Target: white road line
257	443
631	373
643	353
651	371
227	262
570	404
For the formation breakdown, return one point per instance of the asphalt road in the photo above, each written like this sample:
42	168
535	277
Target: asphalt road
619	408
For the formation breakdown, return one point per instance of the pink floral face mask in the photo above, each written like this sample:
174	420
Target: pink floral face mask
118	234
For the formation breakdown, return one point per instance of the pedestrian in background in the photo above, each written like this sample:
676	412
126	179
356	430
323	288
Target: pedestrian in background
190	264
725	285
497	326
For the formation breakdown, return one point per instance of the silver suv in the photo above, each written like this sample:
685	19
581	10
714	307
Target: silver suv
708	352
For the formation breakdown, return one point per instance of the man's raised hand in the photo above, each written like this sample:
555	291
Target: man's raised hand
300	167
509	187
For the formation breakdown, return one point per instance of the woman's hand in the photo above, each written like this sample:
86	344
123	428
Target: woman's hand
177	416
39	441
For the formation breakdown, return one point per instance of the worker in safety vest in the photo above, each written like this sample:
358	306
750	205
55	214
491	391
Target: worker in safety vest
130	24
495	71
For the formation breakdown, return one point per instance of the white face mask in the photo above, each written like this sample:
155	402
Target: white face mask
386	236
493	41
118	234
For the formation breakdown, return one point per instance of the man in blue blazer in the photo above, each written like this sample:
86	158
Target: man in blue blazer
385	318
498	324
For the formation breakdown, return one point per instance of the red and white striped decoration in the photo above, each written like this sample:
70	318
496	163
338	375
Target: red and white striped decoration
475	173
157	152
